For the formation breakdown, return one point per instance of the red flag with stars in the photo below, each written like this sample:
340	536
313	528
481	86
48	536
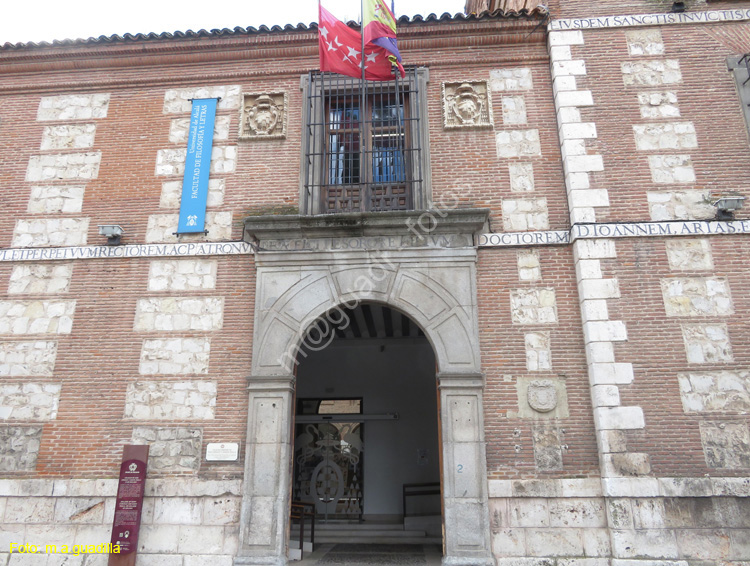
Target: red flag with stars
341	49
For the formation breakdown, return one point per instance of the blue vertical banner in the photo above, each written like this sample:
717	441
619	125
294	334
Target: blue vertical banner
197	167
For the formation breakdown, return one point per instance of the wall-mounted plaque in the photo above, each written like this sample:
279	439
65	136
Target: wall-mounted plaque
222	451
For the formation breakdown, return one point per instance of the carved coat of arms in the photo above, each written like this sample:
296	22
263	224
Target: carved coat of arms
467	105
263	116
542	395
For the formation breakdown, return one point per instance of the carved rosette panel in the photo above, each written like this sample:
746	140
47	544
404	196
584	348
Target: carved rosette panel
263	116
467	105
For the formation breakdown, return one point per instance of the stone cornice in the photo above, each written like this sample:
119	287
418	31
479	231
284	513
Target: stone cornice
70	82
397	223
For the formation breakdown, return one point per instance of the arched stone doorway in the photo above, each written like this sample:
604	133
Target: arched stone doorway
366	442
304	273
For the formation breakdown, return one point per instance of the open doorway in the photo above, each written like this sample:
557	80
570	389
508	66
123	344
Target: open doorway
366	446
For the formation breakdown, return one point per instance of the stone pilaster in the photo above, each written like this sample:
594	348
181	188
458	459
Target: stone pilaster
265	504
464	470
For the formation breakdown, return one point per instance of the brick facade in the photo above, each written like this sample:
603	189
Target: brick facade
610	378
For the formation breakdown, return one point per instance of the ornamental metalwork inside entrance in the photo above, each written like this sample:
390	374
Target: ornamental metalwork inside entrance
328	457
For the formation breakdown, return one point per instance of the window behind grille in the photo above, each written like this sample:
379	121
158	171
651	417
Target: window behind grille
362	145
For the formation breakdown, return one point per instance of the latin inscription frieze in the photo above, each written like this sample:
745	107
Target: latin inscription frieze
127	251
366	243
651	19
640	229
614	230
394	242
539	238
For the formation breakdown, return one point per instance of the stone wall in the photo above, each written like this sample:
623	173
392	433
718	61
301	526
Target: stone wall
51	232
19	448
24	358
179	313
36	317
651	73
175	356
172	449
171	193
172	401
73	107
521	215
672	521
172	161
715	391
533	306
182	520
73	136
29	401
680	205
162	228
518	143
40	279
64	166
697	296
50	200
552	522
182	275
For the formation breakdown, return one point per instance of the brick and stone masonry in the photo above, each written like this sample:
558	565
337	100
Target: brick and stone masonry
614	374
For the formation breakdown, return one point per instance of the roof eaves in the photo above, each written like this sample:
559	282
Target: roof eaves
539	11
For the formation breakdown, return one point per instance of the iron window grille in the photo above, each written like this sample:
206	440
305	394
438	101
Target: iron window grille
362	144
740	68
745	60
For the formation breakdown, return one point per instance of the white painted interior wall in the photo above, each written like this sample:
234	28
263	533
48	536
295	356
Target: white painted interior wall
394	375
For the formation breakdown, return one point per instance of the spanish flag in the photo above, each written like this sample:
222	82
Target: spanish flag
379	25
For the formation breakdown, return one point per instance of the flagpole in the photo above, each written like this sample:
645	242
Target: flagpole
400	125
362	113
362	33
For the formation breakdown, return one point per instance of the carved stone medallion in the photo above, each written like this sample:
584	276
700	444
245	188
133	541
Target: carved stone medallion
542	395
467	105
263	116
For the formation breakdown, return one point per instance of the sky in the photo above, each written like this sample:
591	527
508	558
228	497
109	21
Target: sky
45	20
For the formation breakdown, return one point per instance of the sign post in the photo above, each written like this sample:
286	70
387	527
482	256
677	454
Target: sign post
127	520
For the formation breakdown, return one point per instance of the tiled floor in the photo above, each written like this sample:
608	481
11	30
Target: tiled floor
373	554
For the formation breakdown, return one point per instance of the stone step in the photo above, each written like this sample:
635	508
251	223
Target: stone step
330	526
372	533
369	532
295	552
340	533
